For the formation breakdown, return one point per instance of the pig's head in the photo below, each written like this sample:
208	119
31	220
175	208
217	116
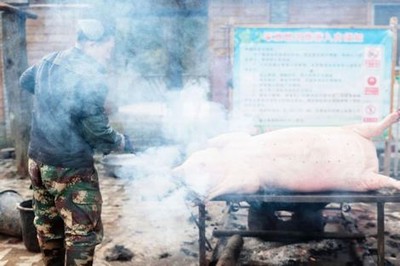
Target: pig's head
202	171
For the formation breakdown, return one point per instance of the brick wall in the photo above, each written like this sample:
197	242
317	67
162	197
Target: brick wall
223	14
55	27
328	12
53	30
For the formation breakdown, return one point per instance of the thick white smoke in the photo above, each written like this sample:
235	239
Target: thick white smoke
166	123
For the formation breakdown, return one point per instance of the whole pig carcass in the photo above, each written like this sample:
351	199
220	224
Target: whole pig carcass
304	159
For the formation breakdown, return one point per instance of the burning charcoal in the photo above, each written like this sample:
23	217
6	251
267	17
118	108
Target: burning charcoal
164	255
189	252
14	240
291	262
316	252
189	242
388	263
370	225
393	244
239	226
364	217
119	253
395	236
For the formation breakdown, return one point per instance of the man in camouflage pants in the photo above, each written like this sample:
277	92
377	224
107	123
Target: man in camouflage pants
68	124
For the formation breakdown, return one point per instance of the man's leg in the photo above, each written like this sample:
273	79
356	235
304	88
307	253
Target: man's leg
80	207
49	225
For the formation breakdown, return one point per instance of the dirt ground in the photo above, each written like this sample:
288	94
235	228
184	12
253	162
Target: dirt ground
148	218
135	218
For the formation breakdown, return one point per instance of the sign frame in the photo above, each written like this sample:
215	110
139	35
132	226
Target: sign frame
392	28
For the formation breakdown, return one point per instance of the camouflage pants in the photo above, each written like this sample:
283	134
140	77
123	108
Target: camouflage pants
67	206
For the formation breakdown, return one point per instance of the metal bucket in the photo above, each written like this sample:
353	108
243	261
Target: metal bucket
28	228
9	216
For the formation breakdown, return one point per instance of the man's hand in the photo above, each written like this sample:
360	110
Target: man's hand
128	147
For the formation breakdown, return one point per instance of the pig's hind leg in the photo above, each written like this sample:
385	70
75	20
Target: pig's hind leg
370	130
374	181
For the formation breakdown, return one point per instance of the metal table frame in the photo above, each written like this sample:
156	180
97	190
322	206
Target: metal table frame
325	197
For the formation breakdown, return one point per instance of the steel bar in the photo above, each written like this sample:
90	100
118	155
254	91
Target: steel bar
312	197
381	232
202	235
280	235
198	226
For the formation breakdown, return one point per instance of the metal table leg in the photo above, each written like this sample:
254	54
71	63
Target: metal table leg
381	233
202	235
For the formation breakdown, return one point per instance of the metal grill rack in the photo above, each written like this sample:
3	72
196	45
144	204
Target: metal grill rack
331	197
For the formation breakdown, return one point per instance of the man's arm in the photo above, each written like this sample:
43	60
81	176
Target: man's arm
94	123
100	135
27	79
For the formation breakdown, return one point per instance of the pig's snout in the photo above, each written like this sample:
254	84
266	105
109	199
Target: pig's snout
178	174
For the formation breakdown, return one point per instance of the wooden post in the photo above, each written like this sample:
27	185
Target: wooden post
381	232
202	235
389	141
175	51
18	103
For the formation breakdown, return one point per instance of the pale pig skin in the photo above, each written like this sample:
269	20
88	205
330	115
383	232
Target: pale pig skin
307	159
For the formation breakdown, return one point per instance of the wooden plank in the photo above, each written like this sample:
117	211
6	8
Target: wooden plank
231	251
15	10
14	60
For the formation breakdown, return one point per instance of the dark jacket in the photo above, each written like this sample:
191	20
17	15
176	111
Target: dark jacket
69	119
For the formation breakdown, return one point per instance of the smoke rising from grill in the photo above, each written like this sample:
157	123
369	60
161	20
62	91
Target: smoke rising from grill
162	91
